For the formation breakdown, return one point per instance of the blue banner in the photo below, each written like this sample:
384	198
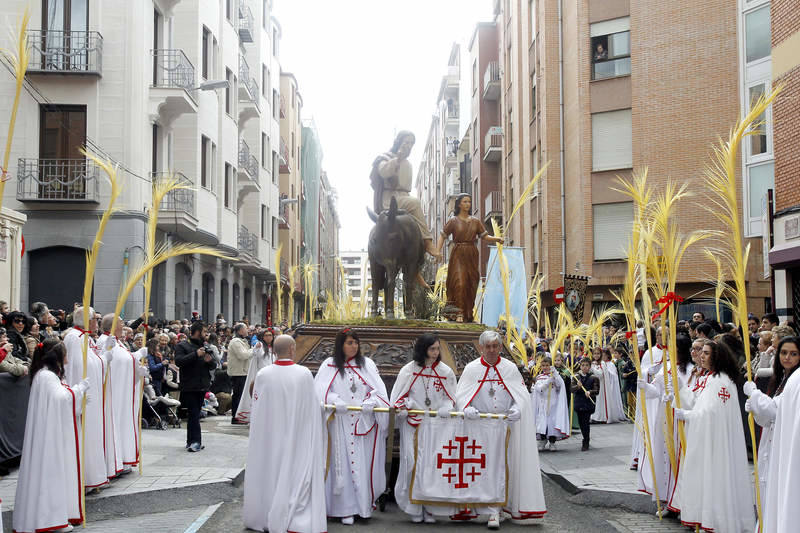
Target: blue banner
494	303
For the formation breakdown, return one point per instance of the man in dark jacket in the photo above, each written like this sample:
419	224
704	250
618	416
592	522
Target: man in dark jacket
195	365
585	388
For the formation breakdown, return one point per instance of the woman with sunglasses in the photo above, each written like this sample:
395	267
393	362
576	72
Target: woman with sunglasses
17	329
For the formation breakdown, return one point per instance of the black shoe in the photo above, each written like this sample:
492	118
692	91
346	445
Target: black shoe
585	446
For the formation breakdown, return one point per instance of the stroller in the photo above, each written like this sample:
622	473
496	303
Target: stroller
158	412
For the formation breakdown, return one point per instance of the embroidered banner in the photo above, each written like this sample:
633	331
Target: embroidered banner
494	303
459	461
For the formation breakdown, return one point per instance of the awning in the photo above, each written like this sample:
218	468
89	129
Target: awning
784	256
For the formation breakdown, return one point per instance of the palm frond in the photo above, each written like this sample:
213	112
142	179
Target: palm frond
525	196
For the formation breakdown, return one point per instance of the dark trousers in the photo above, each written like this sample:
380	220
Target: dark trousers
583	422
238	388
193	402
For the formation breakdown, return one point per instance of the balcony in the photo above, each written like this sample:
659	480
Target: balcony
284	155
57	180
178	210
283	106
491	81
493	143
246	23
173	84
248	244
492	205
65	52
451	115
452	78
283	211
248	169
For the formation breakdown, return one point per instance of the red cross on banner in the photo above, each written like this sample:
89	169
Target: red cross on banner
724	395
460	461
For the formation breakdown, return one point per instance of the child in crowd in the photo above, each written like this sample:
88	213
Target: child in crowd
550	411
585	387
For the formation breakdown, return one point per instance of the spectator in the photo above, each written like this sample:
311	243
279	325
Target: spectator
164	346
769	321
705	331
698	316
222	388
752	325
194	363
9	363
17	329
156	365
172	381
138	342
600	53
33	337
3	309
239	355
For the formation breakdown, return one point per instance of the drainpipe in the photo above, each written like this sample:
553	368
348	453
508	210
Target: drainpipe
561	139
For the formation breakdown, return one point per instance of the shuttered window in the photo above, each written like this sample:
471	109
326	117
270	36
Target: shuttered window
612	142
612	226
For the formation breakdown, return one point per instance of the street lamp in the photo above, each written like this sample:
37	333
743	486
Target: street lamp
212	85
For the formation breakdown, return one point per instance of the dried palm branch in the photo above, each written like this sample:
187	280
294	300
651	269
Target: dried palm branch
292	278
524	197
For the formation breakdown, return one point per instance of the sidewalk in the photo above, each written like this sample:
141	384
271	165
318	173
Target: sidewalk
170	473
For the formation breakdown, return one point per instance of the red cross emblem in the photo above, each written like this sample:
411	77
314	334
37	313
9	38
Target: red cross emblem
461	461
255	396
724	395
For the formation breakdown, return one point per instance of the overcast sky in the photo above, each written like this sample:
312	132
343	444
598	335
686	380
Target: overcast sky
366	69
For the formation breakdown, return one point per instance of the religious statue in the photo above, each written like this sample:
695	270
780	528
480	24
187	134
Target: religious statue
463	271
392	176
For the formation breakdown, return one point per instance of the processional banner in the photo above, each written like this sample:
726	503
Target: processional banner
458	461
494	303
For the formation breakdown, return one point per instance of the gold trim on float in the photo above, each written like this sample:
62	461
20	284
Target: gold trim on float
459	504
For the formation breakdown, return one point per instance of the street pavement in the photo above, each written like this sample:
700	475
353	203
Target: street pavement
186	492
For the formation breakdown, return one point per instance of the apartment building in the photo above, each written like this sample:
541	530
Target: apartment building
598	89
784	255
358	276
159	87
310	201
328	230
291	104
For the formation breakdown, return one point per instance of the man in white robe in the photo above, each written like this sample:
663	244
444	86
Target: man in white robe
650	365
781	513
94	468
492	384
284	485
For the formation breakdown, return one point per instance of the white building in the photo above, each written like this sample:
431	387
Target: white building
358	274
127	80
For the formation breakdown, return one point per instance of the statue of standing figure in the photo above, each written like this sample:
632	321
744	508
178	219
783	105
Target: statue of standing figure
463	270
392	176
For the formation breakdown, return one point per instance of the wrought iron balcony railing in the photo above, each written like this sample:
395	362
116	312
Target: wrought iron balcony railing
180	200
172	69
57	180
248	242
246	22
74	52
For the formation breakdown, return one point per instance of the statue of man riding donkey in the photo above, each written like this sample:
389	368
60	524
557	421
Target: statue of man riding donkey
401	237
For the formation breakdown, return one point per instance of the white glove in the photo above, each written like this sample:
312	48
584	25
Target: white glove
411	404
141	371
443	412
680	414
653	370
82	386
368	407
110	343
341	407
747	405
401	412
109	355
514	414
470	413
749	388
667	397
641	383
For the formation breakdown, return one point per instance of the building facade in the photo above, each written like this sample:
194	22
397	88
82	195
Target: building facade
328	231
141	83
598	89
784	257
358	280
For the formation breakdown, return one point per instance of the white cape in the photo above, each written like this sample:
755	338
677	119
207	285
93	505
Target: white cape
609	402
48	488
113	435
714	489
638	453
411	382
357	443
549	406
284	484
780	509
260	359
525	494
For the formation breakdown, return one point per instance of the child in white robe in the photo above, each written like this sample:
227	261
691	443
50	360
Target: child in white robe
549	406
609	408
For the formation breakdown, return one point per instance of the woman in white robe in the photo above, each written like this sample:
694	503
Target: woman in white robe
609	408
262	356
765	406
714	490
650	364
424	383
48	489
356	474
549	406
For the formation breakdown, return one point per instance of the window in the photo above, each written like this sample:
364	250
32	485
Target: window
276	105
215	57
62	170
229	10
234	100
532	9
510	133
612	140
264	13
355	293
206	51
474	76
759	179
611	48
758	140
533	96
292	144
264	81
263	221
275	166
229	91
274	232
535	244
226	195
757	34
212	182
264	150
275	42
612	226
204	162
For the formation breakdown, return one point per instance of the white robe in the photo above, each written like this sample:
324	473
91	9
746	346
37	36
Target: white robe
260	359
781	513
438	384
657	417
638	452
765	410
356	475
549	406
609	402
113	435
126	375
525	494
284	485
94	455
48	488
714	489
